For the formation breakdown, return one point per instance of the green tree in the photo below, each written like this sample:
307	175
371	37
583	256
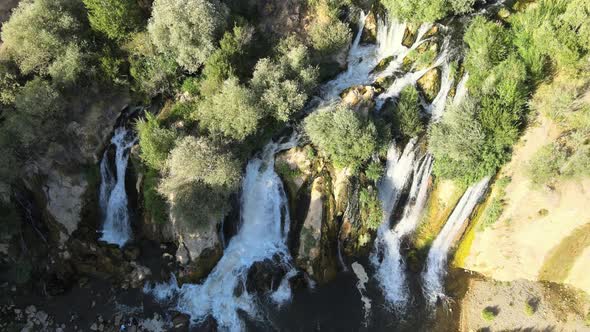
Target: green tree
431	11
406	115
42	36
155	142
187	29
198	178
232	112
283	85
342	135
115	18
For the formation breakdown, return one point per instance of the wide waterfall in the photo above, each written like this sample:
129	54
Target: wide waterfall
113	197
263	235
433	275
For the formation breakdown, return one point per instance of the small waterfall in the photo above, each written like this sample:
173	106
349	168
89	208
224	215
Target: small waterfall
363	58
397	172
401	51
461	90
411	78
113	197
391	268
263	234
435	271
437	107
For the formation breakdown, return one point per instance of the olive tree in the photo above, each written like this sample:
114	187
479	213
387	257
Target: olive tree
187	29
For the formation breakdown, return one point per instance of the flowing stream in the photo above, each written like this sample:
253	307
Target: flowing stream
112	196
435	271
263	235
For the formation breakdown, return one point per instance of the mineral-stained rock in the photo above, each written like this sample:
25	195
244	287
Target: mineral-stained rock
311	232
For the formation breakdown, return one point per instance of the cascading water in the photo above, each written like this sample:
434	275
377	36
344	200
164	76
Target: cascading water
461	90
263	235
390	269
433	275
437	107
113	197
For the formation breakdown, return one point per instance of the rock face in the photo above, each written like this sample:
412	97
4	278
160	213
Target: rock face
311	232
65	199
429	84
198	249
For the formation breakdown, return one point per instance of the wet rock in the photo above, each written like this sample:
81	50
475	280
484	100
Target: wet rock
265	276
93	327
370	29
360	98
294	166
410	35
181	322
131	253
429	84
138	275
311	232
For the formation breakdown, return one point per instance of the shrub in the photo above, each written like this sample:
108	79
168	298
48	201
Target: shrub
406	116
489	314
153	72
370	207
155	142
154	204
39	114
374	171
42	37
9	84
227	60
488	44
341	135
415	10
199	176
492	213
232	112
186	29
458	144
283	85
330	37
545	165
115	18
529	309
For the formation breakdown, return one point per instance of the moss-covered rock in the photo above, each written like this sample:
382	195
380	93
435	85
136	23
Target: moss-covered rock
429	84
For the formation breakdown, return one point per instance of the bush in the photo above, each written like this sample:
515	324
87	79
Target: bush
545	165
39	114
283	85
488	44
529	309
342	135
42	37
153	72
331	37
406	116
199	177
374	171
115	18
154	204
226	61
232	112
187	29
489	314
155	142
370	207
415	10
9	84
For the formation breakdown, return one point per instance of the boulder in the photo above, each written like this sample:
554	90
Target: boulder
429	84
294	166
370	29
410	35
360	98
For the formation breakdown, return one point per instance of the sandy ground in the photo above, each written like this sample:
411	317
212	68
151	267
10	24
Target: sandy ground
517	245
509	299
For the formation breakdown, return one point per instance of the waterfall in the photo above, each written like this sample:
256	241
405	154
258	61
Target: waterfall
433	275
263	235
362	59
401	51
390	268
112	196
397	172
461	90
437	107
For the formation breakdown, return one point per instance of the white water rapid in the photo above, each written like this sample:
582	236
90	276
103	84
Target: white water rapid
113	197
263	234
435	271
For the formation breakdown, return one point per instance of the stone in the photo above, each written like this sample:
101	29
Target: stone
311	232
429	84
360	99
180	322
370	29
65	198
93	327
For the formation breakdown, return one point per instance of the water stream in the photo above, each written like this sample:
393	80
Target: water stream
112	196
435	270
